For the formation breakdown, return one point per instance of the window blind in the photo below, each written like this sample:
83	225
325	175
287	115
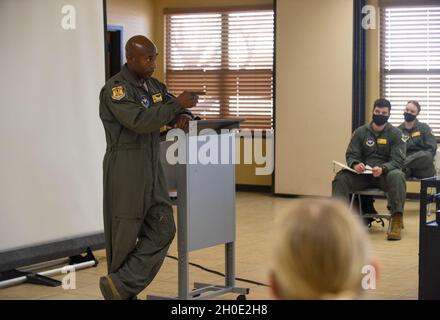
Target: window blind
229	55
410	61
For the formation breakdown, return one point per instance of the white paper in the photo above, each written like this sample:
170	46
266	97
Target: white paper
368	169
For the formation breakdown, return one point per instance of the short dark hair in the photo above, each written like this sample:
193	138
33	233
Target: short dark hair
382	103
416	103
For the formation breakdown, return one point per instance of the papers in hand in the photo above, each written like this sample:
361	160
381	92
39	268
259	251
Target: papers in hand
368	169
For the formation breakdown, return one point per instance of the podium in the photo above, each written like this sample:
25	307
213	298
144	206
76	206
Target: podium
205	202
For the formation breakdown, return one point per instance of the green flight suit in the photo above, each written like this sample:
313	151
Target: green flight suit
138	217
421	147
385	149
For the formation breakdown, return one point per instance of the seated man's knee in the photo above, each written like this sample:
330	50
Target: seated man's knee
422	161
340	180
341	176
429	157
396	176
341	185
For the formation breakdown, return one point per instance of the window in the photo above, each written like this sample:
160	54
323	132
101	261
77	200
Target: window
410	66
227	54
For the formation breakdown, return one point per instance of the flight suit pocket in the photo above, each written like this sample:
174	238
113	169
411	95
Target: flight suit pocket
163	227
128	183
383	149
418	141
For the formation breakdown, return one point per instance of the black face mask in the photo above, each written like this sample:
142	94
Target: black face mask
380	119
409	117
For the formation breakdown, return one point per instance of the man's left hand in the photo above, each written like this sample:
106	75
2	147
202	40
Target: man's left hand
377	172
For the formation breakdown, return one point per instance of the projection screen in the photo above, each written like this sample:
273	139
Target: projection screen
52	141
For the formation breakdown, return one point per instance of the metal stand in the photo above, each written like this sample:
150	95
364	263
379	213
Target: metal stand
27	275
30	277
206	214
89	256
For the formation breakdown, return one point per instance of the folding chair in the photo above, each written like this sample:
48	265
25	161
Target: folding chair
377	217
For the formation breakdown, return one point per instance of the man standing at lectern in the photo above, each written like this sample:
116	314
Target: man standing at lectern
138	217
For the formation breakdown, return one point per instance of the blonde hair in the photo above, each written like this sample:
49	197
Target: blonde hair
319	250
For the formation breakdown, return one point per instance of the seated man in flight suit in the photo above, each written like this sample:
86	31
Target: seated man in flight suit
379	145
421	145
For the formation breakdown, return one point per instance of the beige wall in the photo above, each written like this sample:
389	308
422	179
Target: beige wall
136	16
314	93
245	174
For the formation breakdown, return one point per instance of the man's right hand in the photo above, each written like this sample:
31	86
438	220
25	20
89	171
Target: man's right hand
188	99
360	167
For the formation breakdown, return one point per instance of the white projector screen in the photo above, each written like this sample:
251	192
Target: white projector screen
52	141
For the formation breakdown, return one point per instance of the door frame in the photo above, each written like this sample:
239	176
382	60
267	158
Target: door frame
111	27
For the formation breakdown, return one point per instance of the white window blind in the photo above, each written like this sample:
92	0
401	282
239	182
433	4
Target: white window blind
410	54
228	54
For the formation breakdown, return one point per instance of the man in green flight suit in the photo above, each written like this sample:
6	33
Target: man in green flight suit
380	146
138	217
421	145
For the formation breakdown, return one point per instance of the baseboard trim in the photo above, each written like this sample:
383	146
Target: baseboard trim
409	196
253	188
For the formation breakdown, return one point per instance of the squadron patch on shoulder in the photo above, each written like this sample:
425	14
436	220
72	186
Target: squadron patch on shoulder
157	97
370	142
118	93
405	137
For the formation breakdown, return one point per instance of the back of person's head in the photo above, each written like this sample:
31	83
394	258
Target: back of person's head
319	250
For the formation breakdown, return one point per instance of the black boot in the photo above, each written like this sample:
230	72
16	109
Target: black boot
367	204
368	208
